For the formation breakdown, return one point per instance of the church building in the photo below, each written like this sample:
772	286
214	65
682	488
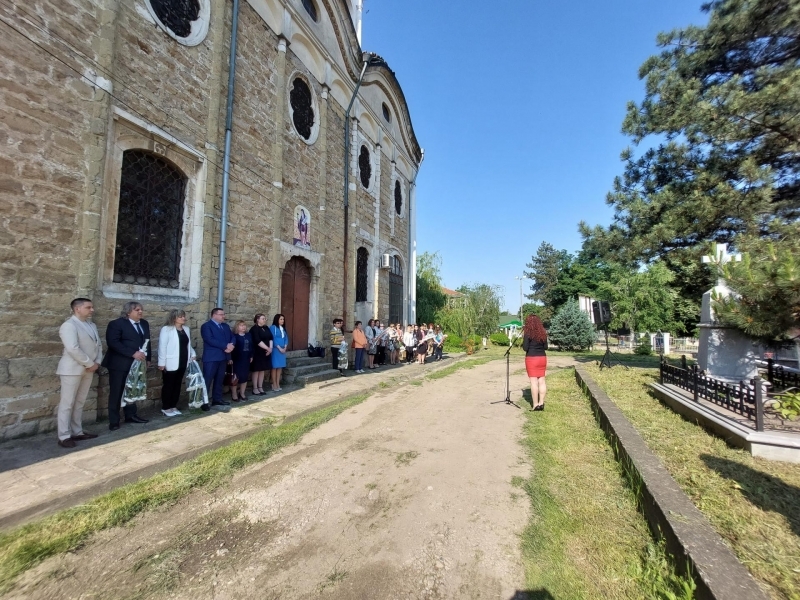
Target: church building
188	154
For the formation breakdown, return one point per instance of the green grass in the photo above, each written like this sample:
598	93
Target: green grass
25	547
754	504
586	538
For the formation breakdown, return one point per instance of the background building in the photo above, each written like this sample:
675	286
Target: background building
111	175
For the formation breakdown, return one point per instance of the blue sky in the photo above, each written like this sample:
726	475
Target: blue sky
518	105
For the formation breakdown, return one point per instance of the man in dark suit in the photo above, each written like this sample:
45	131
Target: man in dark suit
217	348
125	337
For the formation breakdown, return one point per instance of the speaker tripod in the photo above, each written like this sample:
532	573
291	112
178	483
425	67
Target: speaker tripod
507	399
609	360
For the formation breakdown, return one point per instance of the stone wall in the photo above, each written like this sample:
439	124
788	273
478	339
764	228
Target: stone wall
83	80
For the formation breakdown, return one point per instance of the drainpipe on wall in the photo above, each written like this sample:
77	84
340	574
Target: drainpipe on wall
412	259
226	163
370	59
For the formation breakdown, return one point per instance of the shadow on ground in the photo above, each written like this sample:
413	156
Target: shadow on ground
532	595
765	491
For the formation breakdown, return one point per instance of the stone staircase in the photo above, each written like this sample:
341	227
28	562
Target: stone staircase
301	369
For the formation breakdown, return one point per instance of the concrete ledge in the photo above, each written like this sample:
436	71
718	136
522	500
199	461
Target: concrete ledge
771	445
670	513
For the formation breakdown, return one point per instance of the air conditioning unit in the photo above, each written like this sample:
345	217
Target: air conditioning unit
386	261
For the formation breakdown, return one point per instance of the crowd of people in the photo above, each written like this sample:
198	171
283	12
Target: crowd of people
231	357
375	345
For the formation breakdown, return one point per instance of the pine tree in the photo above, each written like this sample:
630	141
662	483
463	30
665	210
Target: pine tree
571	328
766	286
723	102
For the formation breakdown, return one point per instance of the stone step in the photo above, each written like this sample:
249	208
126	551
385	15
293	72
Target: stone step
317	377
305	360
307	369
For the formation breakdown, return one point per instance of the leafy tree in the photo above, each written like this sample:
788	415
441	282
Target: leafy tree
430	297
724	101
543	312
484	300
642	300
545	267
478	315
571	328
766	303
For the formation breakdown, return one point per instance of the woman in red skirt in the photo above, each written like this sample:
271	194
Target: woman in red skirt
535	343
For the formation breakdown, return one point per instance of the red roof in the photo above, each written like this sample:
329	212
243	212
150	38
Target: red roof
452	293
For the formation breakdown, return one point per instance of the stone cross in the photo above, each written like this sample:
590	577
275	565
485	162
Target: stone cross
720	258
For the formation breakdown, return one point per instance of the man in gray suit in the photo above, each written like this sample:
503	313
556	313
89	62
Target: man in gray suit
83	352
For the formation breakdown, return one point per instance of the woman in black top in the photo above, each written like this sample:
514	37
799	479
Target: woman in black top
262	347
535	344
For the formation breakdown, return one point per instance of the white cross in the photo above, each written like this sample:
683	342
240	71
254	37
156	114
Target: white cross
721	257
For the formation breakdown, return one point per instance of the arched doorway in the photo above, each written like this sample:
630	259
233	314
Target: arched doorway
295	296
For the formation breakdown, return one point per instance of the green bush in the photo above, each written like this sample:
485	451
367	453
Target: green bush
453	343
499	339
644	348
477	340
571	328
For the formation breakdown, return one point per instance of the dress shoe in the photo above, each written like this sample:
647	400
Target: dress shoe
222	403
67	443
84	436
135	419
205	407
113	427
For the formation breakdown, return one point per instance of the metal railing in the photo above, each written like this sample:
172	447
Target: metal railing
780	377
743	398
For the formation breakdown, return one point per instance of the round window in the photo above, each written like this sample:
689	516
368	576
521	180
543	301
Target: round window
184	20
311	9
386	113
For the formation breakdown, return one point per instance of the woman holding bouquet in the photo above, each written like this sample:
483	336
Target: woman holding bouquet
174	353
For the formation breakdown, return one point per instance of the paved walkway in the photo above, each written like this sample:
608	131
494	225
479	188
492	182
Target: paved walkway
38	477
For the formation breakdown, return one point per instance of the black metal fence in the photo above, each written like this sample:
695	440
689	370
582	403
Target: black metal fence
744	399
780	378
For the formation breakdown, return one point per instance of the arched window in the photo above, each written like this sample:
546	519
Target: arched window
149	221
398	198
362	274
310	9
395	290
386	113
302	108
364	167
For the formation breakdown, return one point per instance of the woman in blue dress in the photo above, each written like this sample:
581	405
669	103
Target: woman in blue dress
281	340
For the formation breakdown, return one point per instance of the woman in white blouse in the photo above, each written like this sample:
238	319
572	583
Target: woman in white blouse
174	353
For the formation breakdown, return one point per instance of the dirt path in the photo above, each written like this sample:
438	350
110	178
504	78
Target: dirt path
408	495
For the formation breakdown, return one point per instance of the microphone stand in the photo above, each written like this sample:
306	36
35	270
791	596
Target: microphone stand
507	399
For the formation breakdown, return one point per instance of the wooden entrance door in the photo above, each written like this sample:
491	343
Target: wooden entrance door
295	298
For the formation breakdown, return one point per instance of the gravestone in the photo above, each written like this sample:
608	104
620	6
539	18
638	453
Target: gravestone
724	353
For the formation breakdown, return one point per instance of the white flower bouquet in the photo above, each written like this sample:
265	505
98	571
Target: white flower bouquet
343	355
196	385
136	382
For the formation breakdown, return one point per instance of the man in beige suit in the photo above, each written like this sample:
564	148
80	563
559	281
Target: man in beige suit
83	352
